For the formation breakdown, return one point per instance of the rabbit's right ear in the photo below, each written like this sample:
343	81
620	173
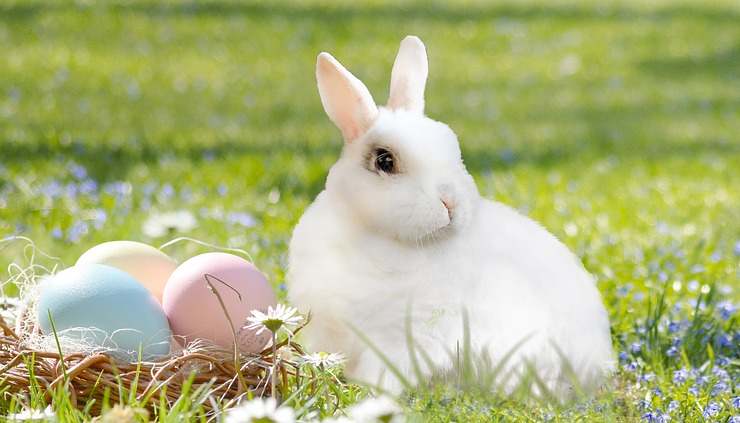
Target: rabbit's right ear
345	98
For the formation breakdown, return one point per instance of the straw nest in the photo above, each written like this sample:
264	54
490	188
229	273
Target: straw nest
97	375
32	360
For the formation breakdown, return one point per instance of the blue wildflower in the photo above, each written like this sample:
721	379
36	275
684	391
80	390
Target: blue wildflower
623	356
673	327
636	347
721	374
166	192
694	390
719	388
88	187
77	231
646	377
241	218
222	189
693	286
680	376
726	309
711	410
735	401
734	419
77	171
673	406
722	361
697	268
99	217
737	248
671	352
57	233
631	366
725	340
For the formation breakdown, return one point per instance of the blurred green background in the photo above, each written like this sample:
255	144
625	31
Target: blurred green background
615	124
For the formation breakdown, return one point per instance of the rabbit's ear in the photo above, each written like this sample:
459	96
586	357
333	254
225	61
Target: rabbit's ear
345	98
409	76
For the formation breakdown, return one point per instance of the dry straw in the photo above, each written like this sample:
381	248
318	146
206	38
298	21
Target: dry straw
31	360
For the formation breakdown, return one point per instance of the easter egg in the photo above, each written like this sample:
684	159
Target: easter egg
195	311
103	306
145	263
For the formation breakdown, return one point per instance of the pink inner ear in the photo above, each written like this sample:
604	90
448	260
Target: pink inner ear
345	98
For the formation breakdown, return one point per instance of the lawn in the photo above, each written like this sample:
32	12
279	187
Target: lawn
617	126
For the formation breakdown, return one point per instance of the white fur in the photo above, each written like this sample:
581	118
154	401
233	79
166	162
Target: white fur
372	245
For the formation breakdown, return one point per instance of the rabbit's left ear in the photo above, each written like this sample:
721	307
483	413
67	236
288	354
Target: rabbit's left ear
409	76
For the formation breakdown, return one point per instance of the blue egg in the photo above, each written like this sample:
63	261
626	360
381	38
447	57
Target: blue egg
103	306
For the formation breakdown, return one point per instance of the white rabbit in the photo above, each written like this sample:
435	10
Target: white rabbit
401	226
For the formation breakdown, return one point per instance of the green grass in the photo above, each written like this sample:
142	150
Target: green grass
616	126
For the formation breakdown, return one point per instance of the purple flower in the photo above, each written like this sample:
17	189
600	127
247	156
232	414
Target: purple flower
725	340
702	380
719	388
721	374
99	218
726	309
88	187
737	248
52	189
222	189
77	231
631	366
241	218
735	401
734	419
77	171
636	347
57	233
673	406
671	352
656	417
694	390
646	377
711	410
680	376
166	192
674	327
623	356
623	290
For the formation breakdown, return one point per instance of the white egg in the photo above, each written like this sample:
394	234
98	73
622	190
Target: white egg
151	267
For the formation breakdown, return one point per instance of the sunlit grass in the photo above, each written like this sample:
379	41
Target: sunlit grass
616	126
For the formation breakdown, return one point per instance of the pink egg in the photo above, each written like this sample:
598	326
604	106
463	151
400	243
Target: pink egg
194	310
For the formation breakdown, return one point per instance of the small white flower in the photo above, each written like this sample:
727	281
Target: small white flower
340	419
323	359
276	318
29	415
260	410
164	223
380	409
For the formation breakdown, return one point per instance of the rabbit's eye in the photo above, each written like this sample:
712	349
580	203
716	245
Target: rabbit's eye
384	161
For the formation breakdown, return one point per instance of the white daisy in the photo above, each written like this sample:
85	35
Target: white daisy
281	316
323	360
162	224
260	410
340	419
380	409
29	415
